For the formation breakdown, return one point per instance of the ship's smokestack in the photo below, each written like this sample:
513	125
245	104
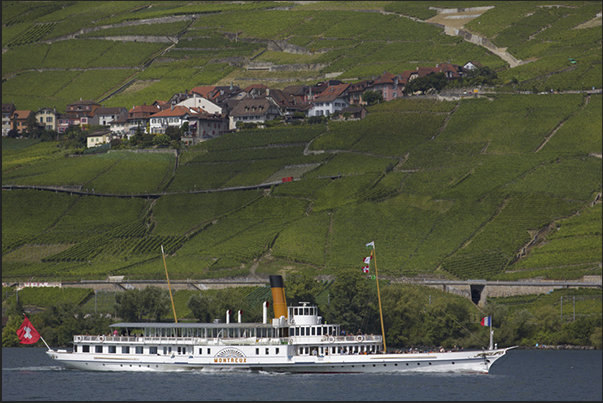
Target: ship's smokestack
240	313
228	312
278	297
266	304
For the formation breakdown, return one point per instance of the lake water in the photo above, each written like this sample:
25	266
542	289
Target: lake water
28	374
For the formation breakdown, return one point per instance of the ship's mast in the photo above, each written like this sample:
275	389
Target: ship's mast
169	287
374	255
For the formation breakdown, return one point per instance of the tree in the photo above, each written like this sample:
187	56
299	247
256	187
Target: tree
202	307
209	305
32	126
354	302
128	305
134	305
372	97
422	84
174	133
155	302
301	287
161	140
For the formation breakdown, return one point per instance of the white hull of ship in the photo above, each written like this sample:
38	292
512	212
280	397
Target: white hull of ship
463	361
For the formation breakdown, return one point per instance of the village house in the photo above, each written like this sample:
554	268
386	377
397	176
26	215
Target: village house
390	86
329	101
120	128
47	118
356	90
198	101
140	116
98	138
285	102
204	126
7	112
259	110
472	65
352	112
79	113
175	116
19	120
451	71
104	116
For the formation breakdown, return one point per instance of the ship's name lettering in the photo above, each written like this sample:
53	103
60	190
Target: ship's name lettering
234	360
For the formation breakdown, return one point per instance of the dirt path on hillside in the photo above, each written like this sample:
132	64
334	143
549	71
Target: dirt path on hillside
454	20
587	99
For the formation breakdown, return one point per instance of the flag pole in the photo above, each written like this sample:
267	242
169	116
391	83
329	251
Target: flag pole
49	349
169	287
491	334
379	297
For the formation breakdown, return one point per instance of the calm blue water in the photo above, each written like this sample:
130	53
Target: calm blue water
28	374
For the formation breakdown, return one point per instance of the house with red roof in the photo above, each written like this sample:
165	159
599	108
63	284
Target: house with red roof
19	120
203	125
139	116
330	100
198	101
389	85
175	116
356	90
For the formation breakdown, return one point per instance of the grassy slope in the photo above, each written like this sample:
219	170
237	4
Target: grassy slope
463	203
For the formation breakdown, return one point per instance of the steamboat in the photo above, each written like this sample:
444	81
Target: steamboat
294	340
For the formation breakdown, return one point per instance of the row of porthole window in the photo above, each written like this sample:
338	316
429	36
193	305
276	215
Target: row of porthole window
139	365
385	365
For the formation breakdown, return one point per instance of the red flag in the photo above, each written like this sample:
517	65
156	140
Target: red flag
27	333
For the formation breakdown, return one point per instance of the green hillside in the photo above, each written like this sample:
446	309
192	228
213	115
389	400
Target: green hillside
454	193
504	186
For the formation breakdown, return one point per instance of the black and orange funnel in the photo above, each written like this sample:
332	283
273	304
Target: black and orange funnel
279	303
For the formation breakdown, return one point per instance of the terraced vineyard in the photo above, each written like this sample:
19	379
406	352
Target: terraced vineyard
458	188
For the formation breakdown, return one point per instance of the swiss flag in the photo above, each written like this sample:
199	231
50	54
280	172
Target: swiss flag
27	333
